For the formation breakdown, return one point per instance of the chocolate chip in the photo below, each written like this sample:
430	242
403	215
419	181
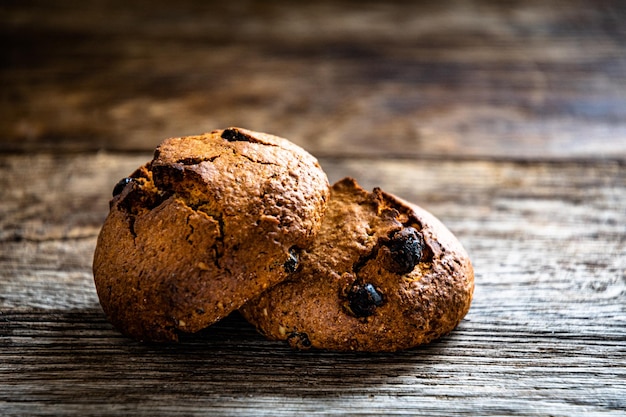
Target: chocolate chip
298	340
119	187
233	135
291	265
363	300
405	248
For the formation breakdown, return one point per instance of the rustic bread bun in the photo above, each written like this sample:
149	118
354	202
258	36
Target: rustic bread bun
382	275
211	222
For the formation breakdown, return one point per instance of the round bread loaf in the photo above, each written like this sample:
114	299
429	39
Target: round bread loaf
211	222
382	275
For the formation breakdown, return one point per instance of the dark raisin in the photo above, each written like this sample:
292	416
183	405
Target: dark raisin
233	135
363	300
405	248
298	340
119	187
291	265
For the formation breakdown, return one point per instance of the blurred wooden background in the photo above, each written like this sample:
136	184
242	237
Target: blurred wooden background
506	119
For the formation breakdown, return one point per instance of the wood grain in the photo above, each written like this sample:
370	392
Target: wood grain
507	120
546	333
519	79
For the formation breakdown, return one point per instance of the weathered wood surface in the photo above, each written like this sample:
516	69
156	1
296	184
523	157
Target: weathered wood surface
530	79
507	120
546	334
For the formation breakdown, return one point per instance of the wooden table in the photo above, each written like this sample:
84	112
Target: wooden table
507	120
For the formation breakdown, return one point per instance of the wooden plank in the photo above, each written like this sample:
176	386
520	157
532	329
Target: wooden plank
546	333
69	367
525	79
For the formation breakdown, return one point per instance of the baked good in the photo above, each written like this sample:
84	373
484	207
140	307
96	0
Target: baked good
209	223
382	275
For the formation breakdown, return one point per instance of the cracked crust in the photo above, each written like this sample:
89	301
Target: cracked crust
382	275
211	222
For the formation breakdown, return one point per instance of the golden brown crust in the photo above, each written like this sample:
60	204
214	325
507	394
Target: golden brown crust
361	286
209	223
